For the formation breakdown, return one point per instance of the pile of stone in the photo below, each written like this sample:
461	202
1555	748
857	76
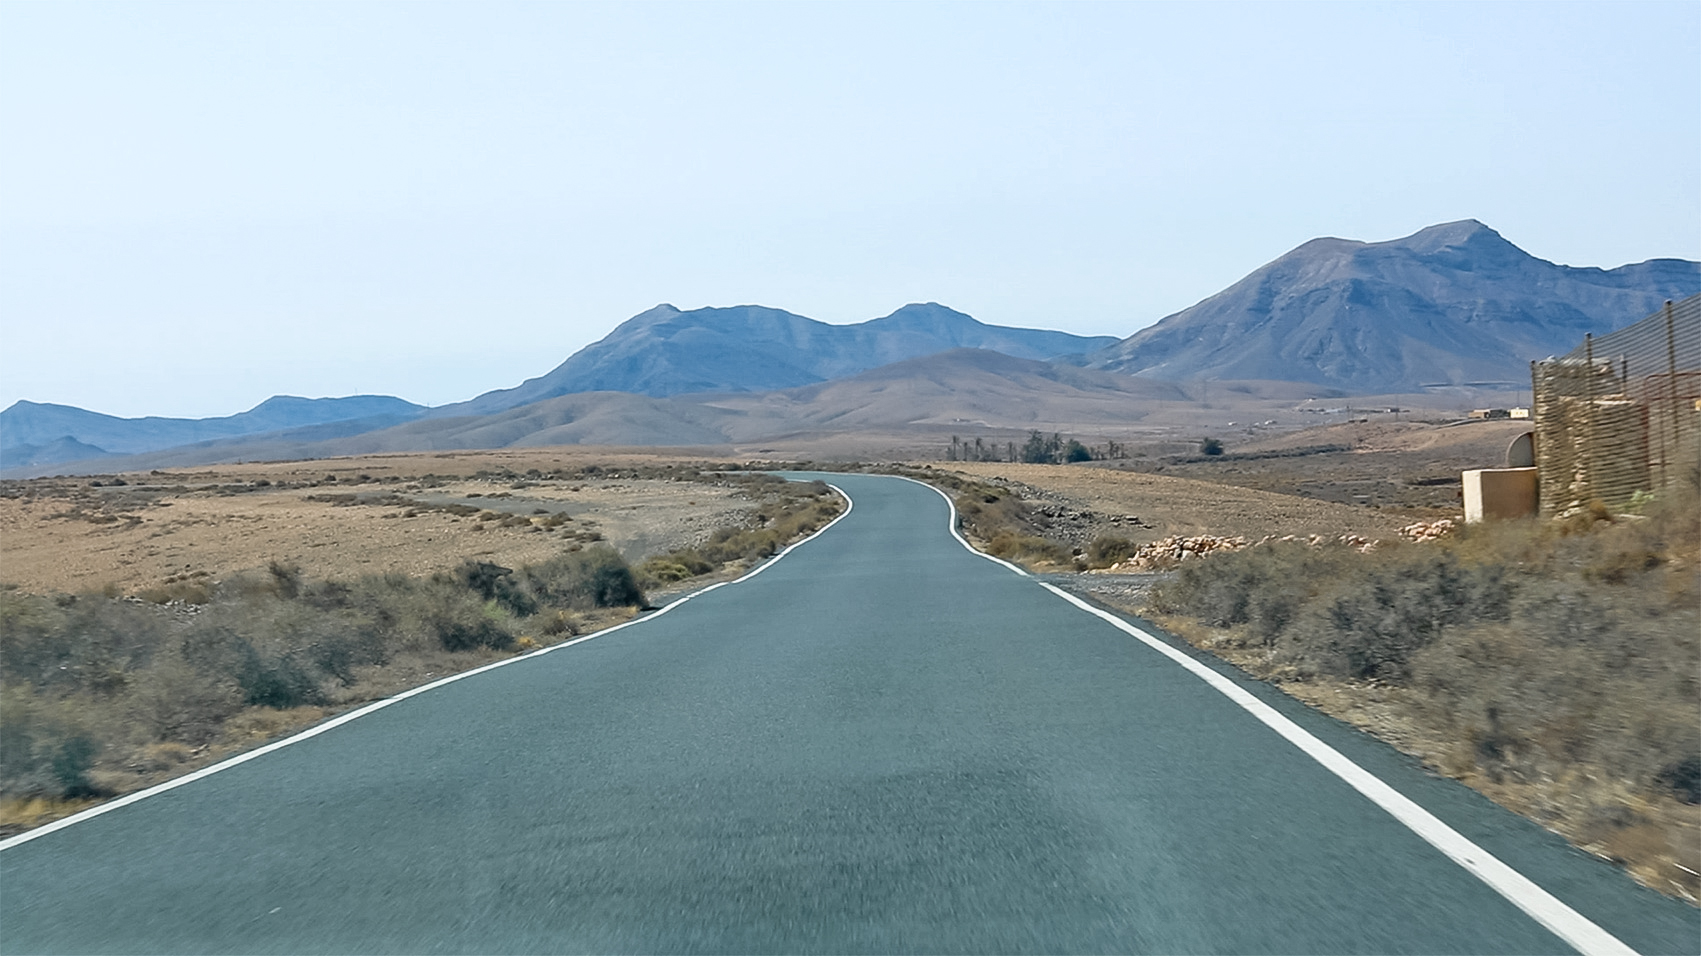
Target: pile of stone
1171	551
1428	530
1357	542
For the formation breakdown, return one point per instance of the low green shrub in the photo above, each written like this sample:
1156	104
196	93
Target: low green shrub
462	625
1371	629
496	583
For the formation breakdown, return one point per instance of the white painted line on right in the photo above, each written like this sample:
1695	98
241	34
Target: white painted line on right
1576	929
1542	906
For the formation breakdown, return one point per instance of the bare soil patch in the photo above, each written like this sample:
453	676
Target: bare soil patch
1412	466
1082	503
413	514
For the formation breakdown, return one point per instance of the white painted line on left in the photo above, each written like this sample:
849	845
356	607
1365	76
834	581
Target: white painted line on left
336	722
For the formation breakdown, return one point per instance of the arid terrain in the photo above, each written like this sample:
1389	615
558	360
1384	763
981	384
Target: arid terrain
398	512
155	622
1378	461
1082	503
173	536
413	514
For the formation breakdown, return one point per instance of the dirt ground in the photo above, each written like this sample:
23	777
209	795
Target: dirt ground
1082	503
1391	464
342	518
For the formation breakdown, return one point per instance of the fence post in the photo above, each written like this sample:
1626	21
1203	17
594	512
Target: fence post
1590	410
1671	382
1543	495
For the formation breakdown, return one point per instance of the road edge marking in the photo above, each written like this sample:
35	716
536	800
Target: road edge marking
1577	930
339	720
953	526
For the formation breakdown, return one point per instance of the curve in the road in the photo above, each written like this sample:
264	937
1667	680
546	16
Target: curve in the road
880	743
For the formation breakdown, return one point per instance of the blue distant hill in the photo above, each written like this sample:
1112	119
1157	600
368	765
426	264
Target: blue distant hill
39	433
752	348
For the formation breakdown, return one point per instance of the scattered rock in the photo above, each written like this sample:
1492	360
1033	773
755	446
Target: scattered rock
1168	552
1429	530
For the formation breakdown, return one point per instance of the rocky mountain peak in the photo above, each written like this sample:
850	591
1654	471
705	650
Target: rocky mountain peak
1455	302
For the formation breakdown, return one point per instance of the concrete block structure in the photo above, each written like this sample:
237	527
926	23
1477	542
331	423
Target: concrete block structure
1499	493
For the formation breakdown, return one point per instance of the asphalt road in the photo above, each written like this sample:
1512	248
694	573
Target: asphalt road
880	743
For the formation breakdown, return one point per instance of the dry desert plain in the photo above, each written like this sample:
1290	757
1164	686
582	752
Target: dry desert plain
163	533
344	517
171	537
164	541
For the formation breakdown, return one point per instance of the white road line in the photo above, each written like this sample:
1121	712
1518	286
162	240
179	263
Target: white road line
1563	921
332	724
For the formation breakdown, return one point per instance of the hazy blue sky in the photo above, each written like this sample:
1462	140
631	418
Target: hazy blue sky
202	205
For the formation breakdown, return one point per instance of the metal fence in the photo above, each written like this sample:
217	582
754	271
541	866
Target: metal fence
1620	415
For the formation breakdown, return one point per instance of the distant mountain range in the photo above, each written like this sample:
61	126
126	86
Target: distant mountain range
1452	304
750	348
658	353
962	388
37	433
965	390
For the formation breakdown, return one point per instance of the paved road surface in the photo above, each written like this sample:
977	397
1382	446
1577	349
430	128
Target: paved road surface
880	743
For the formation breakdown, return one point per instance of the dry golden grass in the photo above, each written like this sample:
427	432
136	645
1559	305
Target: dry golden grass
161	530
18	814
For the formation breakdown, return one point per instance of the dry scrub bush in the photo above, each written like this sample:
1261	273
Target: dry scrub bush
184	591
1003	523
91	687
46	745
1028	549
582	580
1558	660
1109	549
1525	633
792	510
1263	587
